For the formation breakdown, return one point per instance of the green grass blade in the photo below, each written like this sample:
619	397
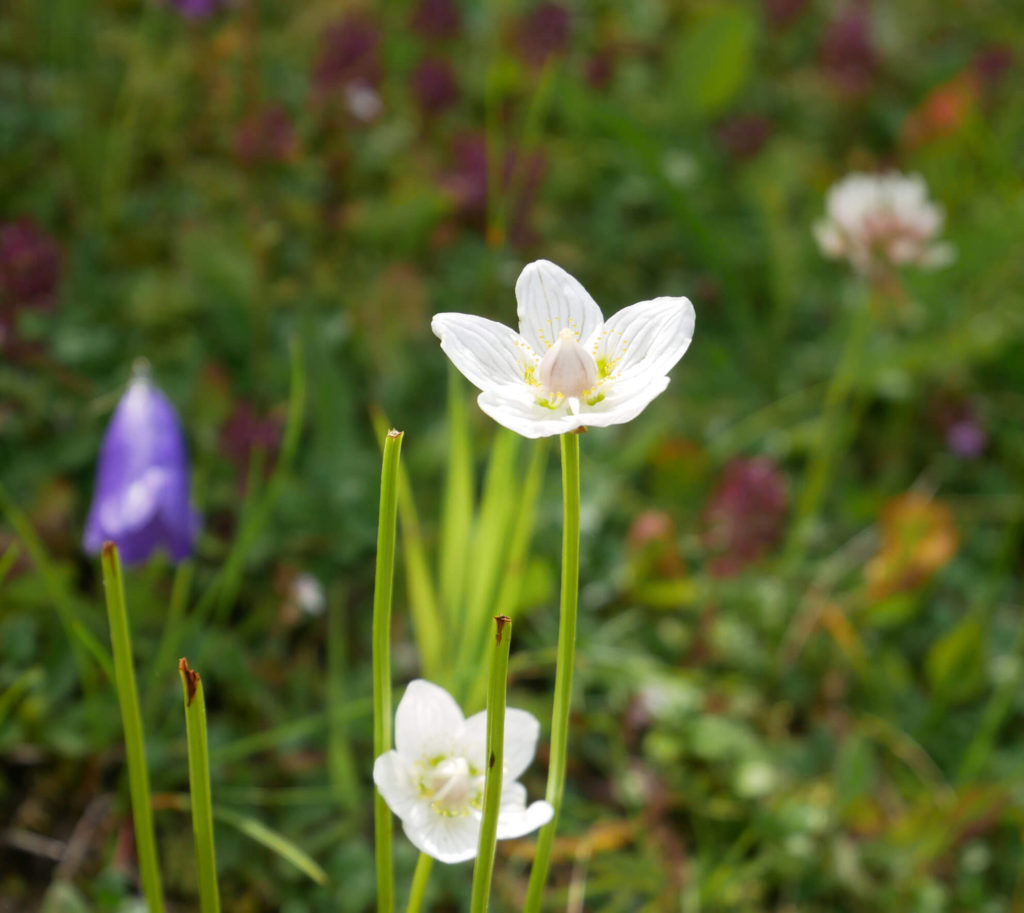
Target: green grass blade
382	594
457	509
426	619
483	869
134	741
199	785
272	840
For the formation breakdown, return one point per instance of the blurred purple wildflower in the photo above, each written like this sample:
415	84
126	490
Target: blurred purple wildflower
141	501
244	431
30	263
434	87
745	516
196	9
543	33
783	12
847	52
266	137
436	18
350	63
521	177
743	136
962	428
600	68
992	64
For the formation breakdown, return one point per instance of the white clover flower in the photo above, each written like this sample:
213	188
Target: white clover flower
434	778
874	220
567	367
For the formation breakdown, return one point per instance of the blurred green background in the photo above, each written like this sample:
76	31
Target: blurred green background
763	721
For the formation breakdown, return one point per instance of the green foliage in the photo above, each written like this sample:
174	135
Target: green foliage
835	725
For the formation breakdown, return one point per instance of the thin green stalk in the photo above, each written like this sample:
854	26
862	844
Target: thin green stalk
457	512
78	635
830	432
420	877
134	742
507	600
341	767
382	588
171	633
483	868
564	667
199	787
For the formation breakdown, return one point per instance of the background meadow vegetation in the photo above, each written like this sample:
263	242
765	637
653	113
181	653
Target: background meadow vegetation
268	201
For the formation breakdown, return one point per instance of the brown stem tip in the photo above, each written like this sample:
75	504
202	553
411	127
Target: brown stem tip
395	433
109	549
499	625
191	678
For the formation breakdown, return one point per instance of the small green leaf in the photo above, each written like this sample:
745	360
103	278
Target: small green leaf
956	663
713	58
272	840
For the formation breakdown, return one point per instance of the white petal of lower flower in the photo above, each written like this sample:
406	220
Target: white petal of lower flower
550	300
428	721
645	338
396	782
489	353
447	838
518	822
521	733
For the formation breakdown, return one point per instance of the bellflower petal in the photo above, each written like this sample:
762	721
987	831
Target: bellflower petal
550	300
141	501
434	779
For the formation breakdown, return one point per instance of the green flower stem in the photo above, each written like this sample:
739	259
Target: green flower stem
135	747
830	430
383	584
419	883
483	868
564	667
199	785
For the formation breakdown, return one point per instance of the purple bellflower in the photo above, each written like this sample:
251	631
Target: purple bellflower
141	501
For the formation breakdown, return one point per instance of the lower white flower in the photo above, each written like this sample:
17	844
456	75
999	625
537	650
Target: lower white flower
434	778
567	367
873	220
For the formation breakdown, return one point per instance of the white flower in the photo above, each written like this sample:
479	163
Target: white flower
567	367
873	220
307	593
434	778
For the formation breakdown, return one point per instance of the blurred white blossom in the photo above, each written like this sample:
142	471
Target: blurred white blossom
307	593
879	220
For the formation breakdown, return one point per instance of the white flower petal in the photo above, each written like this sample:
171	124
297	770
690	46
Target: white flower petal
551	300
516	820
625	401
396	782
519	411
489	353
521	733
646	338
428	722
447	838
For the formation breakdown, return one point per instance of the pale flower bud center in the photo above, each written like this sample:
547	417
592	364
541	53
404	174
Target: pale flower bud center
567	367
452	786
